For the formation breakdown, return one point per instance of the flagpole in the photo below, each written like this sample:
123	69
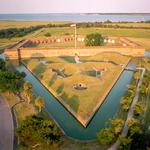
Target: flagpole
75	36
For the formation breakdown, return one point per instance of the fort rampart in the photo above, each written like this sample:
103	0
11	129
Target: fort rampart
30	52
24	50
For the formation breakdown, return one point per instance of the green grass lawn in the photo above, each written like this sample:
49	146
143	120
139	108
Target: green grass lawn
142	36
137	33
22	110
135	24
79	100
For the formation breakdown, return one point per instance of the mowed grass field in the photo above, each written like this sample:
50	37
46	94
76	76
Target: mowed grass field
135	24
137	33
5	43
142	36
21	24
82	102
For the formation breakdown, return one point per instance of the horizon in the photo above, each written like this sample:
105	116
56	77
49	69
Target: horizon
99	13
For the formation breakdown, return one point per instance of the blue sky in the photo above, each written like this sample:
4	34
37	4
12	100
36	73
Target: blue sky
73	6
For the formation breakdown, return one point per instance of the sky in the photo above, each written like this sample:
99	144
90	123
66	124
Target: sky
74	6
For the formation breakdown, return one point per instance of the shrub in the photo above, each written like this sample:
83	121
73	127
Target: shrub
94	40
47	34
125	143
37	130
106	136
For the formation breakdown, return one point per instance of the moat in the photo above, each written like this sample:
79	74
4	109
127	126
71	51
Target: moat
67	122
69	125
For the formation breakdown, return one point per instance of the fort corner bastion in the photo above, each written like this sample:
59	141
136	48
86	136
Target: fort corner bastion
28	48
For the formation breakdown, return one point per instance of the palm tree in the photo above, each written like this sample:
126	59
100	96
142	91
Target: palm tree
137	76
117	124
39	102
131	87
29	96
132	122
125	142
27	87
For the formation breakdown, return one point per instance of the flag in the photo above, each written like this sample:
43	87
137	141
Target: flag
73	25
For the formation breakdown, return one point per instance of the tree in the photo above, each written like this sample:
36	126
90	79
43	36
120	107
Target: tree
138	108
143	90
11	81
47	34
18	32
131	94
137	75
132	87
125	103
39	102
132	122
117	124
29	94
36	130
27	87
108	21
136	129
94	40
131	90
140	140
2	65
125	143
106	136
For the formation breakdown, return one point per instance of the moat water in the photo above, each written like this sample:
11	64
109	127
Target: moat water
67	122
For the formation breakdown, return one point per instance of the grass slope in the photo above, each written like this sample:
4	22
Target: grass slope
79	100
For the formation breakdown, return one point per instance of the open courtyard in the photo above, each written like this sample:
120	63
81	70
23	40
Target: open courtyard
80	87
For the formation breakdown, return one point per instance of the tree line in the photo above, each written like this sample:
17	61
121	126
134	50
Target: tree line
17	32
37	131
20	32
109	25
34	131
10	79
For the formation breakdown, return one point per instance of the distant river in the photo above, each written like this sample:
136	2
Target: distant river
76	17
